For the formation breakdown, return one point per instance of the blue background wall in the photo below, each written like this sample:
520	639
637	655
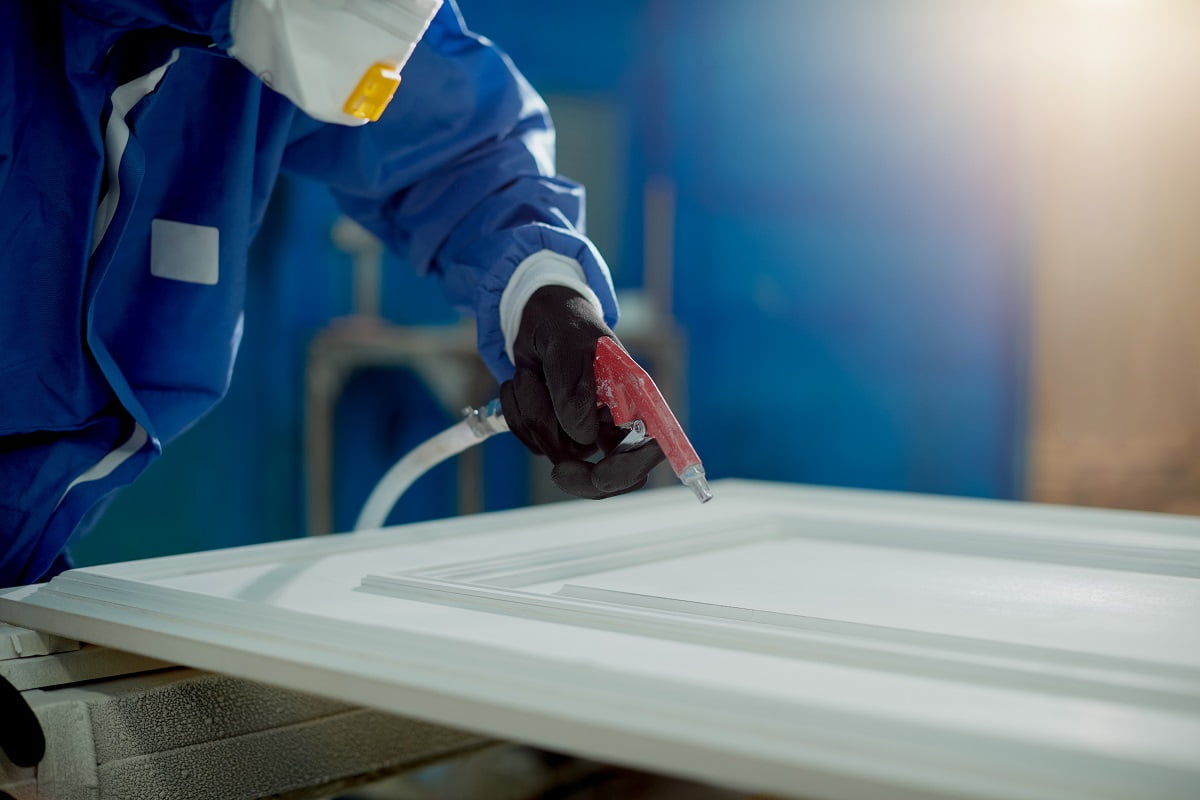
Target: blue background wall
849	269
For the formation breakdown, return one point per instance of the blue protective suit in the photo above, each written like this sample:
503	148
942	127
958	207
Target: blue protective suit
136	160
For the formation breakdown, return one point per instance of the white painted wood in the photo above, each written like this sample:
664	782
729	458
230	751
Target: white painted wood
784	639
23	643
88	663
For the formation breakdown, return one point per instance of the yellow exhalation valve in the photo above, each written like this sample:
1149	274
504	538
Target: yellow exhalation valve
374	91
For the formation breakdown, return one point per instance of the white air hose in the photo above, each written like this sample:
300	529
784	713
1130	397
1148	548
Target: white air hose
478	424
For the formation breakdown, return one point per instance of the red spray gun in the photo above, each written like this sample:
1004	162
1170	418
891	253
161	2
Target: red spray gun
630	394
637	405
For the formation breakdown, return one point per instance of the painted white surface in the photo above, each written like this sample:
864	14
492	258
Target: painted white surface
781	639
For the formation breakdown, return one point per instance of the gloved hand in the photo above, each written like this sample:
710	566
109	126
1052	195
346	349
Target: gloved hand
550	403
21	736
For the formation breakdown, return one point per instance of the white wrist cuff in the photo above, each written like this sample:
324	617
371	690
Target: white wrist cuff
543	268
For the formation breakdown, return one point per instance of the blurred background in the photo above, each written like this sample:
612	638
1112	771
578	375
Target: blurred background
923	245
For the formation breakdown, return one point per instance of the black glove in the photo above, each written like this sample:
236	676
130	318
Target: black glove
21	736
550	404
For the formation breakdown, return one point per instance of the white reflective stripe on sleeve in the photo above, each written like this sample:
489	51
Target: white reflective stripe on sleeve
116	139
543	268
105	466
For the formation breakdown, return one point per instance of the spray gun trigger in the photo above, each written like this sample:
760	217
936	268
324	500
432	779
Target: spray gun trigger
635	438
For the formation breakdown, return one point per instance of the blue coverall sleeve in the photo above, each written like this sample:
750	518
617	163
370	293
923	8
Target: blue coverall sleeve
457	177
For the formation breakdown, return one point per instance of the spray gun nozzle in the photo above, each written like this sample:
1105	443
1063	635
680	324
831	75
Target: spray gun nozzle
693	478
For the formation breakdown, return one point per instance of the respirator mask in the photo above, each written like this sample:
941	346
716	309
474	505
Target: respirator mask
337	60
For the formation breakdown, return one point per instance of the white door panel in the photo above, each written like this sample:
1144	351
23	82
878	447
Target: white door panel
783	639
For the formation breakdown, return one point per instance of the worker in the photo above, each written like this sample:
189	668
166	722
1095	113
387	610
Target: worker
140	143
